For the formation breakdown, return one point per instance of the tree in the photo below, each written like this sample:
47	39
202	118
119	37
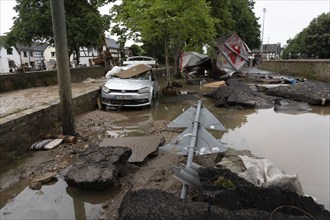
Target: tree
221	9
175	22
313	41
236	16
136	50
84	24
317	40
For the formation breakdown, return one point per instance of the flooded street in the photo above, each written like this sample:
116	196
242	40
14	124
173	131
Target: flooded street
56	201
295	143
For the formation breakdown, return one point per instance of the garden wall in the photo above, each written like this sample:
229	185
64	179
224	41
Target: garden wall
310	69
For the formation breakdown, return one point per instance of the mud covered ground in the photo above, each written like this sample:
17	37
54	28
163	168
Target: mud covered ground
149	188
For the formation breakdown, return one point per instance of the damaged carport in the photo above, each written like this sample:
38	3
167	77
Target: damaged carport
231	55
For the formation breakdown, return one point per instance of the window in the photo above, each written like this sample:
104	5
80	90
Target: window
31	54
10	51
11	64
52	54
24	54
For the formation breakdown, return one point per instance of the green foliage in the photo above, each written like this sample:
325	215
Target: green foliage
84	24
224	183
312	42
175	20
246	24
236	16
136	50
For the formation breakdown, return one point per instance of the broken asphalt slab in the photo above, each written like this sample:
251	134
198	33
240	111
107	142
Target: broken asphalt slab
236	93
162	205
312	92
98	167
141	147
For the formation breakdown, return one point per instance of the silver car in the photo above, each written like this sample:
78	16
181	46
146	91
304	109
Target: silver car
133	87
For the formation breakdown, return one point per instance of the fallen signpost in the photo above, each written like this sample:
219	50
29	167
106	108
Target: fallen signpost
194	140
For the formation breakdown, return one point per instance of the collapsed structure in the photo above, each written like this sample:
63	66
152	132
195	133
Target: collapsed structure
232	54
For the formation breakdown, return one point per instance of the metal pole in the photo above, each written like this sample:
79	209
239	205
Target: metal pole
192	146
263	26
62	62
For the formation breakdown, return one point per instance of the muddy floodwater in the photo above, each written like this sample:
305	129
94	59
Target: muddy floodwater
296	143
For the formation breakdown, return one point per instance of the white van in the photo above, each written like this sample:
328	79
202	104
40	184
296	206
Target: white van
140	60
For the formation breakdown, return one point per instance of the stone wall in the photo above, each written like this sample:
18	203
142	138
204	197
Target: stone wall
309	69
26	80
19	134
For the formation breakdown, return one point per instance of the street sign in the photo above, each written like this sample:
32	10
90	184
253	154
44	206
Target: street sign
207	120
205	143
194	140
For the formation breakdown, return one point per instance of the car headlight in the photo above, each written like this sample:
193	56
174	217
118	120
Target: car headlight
143	90
106	89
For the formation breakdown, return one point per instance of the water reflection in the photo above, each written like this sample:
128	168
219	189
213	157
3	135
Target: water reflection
296	143
57	201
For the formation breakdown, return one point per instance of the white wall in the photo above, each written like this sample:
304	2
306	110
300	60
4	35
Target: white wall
4	58
48	53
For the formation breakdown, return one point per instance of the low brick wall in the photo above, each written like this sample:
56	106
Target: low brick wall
18	81
19	134
310	69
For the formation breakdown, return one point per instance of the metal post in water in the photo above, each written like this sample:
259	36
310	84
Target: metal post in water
192	146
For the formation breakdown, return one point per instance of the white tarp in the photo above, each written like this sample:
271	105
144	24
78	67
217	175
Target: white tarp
264	173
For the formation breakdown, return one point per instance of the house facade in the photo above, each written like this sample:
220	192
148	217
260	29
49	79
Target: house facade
43	57
50	57
9	59
113	47
32	57
88	54
269	51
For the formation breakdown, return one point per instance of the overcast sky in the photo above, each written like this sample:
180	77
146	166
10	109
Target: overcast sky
283	18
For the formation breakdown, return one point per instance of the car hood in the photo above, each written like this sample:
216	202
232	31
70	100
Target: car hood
127	84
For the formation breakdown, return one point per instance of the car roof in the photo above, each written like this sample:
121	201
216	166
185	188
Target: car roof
133	71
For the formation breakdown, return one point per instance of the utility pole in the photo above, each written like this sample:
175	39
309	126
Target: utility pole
63	69
262	36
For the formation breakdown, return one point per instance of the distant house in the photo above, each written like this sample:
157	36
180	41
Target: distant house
87	55
269	51
27	57
113	47
50	57
9	59
32	57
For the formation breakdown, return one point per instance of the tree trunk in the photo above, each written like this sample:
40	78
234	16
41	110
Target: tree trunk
77	56
166	62
177	53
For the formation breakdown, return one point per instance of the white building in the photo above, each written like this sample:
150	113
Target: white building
32	57
50	57
87	55
9	59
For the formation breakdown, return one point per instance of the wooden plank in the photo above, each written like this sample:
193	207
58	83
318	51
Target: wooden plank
214	84
133	71
141	146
